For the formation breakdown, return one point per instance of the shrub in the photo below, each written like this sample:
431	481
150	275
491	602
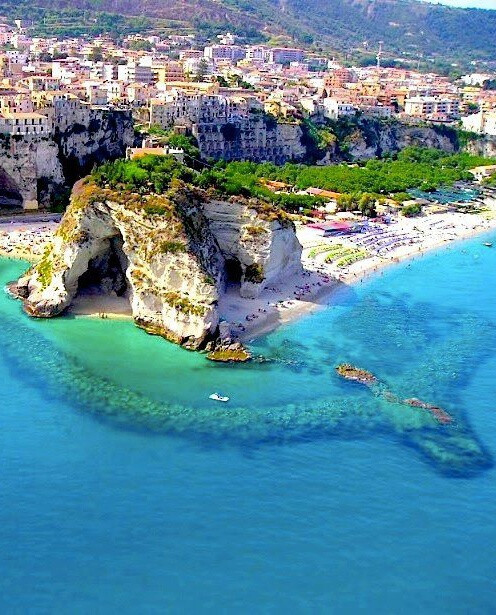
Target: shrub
172	247
254	273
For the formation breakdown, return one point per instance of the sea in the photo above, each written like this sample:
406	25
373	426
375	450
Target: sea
124	489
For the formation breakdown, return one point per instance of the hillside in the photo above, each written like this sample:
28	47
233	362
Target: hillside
410	27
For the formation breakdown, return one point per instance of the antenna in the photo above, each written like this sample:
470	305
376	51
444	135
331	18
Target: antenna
379	54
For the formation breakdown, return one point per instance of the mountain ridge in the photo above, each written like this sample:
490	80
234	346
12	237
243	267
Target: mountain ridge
409	27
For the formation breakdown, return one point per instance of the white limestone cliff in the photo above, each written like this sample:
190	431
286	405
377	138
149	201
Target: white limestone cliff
168	254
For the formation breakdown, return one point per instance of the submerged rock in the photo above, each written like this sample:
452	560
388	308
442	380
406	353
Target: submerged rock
228	351
350	372
441	415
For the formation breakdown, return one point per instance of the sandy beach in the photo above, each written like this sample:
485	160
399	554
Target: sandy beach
312	290
380	245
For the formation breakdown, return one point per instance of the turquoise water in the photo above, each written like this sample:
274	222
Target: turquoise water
124	488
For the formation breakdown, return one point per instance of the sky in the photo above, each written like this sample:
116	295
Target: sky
480	4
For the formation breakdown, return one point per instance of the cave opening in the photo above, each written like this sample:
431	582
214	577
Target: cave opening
105	279
233	271
10	195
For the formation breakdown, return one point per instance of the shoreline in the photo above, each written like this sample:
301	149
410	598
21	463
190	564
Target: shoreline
356	274
301	293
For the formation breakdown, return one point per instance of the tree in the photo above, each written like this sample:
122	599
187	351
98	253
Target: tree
96	54
140	45
409	211
202	70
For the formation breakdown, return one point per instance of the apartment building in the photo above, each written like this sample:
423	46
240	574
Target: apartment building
23	123
285	55
233	53
426	106
134	73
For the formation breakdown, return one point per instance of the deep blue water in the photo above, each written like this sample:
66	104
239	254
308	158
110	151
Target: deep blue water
124	490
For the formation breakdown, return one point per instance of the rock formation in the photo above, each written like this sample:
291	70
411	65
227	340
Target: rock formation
367	138
34	168
30	171
171	254
86	135
350	372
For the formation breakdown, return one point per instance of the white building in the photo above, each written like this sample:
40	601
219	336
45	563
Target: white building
134	73
334	109
224	52
483	123
23	123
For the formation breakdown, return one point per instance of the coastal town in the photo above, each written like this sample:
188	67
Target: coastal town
49	84
96	100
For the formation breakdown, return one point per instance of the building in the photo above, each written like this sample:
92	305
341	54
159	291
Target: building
334	108
285	55
425	106
134	73
23	123
224	52
483	123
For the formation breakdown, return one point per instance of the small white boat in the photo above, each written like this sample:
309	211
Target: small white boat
217	397
489	244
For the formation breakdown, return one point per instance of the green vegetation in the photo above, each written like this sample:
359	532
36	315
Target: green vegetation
414	167
60	21
450	38
409	211
45	268
363	202
344	256
490	181
361	187
254	273
172	139
255	230
183	304
142	175
172	247
140	44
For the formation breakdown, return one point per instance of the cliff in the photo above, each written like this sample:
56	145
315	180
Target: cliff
366	138
40	170
30	171
172	254
88	135
482	146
